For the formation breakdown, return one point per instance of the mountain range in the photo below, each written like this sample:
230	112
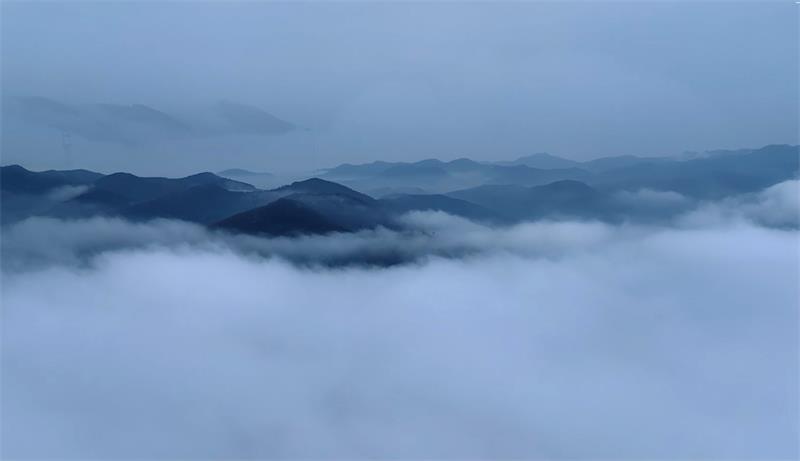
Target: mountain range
717	174
139	124
504	192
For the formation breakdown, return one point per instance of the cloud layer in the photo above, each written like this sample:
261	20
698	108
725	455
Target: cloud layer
544	340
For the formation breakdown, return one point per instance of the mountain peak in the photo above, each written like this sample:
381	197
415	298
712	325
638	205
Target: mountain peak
15	167
316	185
545	161
205	175
281	217
242	172
250	119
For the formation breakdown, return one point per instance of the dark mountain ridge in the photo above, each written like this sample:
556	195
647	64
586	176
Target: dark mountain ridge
507	194
139	189
15	178
283	217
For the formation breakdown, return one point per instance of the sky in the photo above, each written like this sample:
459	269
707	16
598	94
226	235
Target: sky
369	81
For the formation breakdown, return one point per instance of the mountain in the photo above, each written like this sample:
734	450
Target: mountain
86	193
25	193
283	217
341	205
242	172
136	124
527	176
114	123
724	172
433	175
691	155
603	164
14	178
642	190
547	161
404	203
383	192
142	117
139	189
16	206
415	171
205	203
543	160
346	211
245	119
210	202
461	165
708	177
560	199
262	180
94	202
350	171
321	186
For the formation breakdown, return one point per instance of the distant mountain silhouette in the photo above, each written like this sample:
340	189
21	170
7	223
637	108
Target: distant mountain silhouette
25	193
242	118
139	189
115	123
321	186
139	124
603	164
14	178
210	202
144	115
710	177
206	203
543	160
434	175
612	191
527	176
462	164
94	202
345	210
350	171
242	172
560	199
711	174
417	171
262	180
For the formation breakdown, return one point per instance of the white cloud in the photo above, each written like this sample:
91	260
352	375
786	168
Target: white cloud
63	193
650	197
775	206
544	340
43	241
778	205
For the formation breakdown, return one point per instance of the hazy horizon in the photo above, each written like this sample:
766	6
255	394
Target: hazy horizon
403	82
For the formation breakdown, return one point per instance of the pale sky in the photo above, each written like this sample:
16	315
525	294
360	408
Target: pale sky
407	81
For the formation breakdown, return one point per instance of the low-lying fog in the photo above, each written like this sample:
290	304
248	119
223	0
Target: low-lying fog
453	340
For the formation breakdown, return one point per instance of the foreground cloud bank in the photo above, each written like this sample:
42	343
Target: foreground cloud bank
544	340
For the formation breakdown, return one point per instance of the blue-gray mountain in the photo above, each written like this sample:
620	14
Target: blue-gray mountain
504	193
710	175
138	124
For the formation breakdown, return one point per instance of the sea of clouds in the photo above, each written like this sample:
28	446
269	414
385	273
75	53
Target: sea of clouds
450	339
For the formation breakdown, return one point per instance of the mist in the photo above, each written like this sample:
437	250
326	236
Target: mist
570	339
399	230
402	82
